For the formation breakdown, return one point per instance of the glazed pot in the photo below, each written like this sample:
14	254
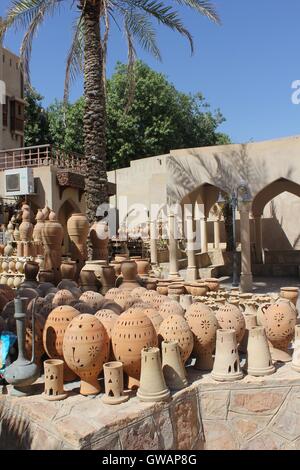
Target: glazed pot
230	317
132	332
290	293
176	328
204	325
68	270
78	230
86	349
280	322
53	335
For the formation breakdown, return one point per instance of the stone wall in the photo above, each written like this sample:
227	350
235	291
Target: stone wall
254	413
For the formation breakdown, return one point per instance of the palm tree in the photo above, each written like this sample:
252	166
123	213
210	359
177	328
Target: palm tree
88	55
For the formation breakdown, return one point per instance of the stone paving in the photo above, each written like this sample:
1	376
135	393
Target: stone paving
253	413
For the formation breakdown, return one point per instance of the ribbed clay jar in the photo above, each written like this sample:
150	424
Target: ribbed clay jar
230	317
132	332
86	349
176	328
53	334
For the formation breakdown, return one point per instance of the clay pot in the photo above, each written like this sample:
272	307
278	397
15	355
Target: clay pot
280	322
172	366
150	284
8	250
138	292
37	230
213	284
31	269
176	328
93	299
107	277
149	296
259	362
114	383
176	289
53	335
230	317
111	305
117	267
129	273
162	287
78	230
261	312
62	297
26	227
152	386
296	354
52	237
121	257
124	299
203	325
86	349
68	270
198	289
186	301
99	237
143	267
54	380
290	293
250	322
88	280
227	363
155	318
46	276
82	307
112	293
132	332
158	300
171	307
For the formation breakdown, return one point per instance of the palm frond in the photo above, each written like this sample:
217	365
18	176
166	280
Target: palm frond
74	64
204	7
130	67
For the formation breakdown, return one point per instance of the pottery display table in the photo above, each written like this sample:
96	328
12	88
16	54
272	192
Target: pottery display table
252	413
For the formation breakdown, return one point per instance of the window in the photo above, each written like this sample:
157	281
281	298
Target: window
16	116
4	112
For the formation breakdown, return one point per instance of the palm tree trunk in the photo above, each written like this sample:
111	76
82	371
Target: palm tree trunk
94	121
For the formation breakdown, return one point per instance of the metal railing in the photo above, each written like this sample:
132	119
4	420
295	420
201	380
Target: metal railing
42	155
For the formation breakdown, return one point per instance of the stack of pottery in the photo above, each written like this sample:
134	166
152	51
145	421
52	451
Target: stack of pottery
99	236
132	332
52	236
78	230
280	322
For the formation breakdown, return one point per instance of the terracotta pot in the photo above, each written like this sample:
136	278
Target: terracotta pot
124	299
152	386
138	292
280	322
172	366
176	289
150	284
213	284
227	363
112	293
154	316
99	237
162	287
176	328
2	249
129	273
198	289
132	332
26	227
188	287
149	296
68	270
143	267
158	300
121	257
78	230
114	383
82	307
37	230
204	325
117	267
108	319
259	362
88	277
54	380
8	250
107	277
46	276
53	335
62	297
86	349
31	269
290	293
230	317
52	237
93	299
170	307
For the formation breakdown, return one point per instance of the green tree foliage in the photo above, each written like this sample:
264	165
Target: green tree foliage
150	120
36	118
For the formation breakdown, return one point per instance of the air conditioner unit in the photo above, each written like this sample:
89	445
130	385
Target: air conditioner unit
19	182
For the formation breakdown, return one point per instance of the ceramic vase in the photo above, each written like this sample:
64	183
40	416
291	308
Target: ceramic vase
132	332
68	270
143	267
176	328
54	380
26	227
259	361
114	383
53	335
172	365
52	237
86	349
153	387
227	363
99	237
230	317
78	230
203	325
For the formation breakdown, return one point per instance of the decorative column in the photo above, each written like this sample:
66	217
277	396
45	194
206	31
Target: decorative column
153	246
191	274
173	263
217	238
203	231
258	238
246	282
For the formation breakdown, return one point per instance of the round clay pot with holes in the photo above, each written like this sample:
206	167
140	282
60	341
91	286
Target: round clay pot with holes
53	334
86	349
170	307
124	299
155	317
93	299
62	297
158	300
138	292
112	293
204	325
176	328
230	317
108	320
132	332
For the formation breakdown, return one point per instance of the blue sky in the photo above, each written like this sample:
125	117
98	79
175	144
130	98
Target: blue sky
244	67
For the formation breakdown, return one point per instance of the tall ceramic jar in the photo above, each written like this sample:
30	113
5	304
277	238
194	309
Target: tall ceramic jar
99	236
86	349
78	230
26	227
37	232
52	236
132	332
